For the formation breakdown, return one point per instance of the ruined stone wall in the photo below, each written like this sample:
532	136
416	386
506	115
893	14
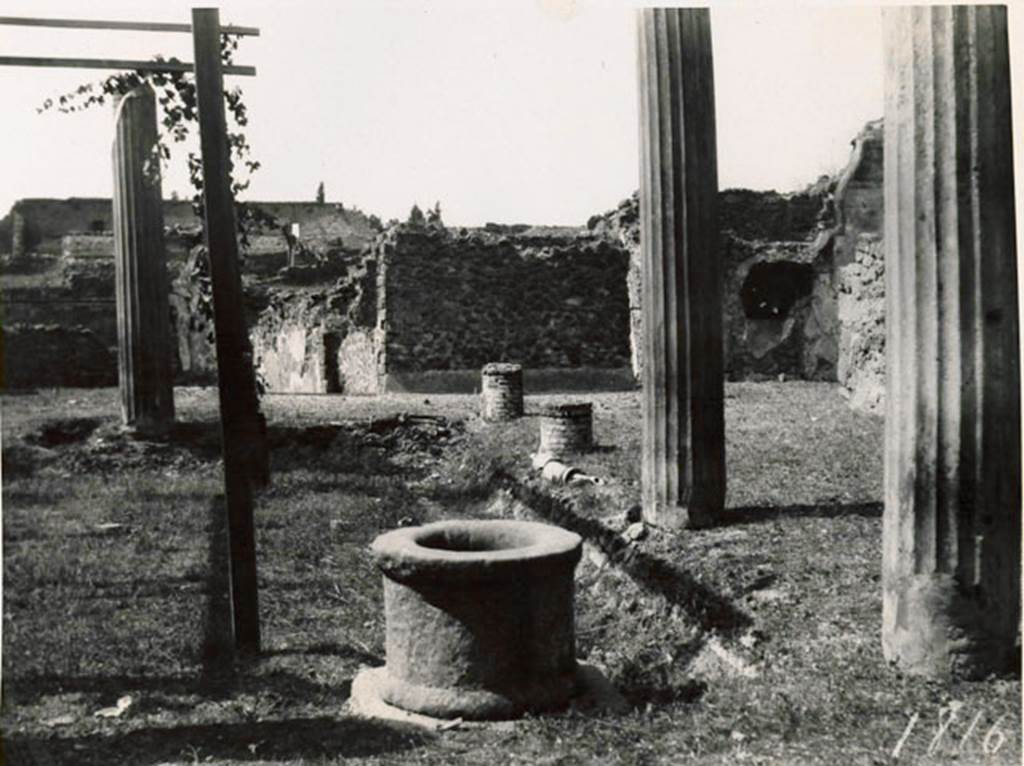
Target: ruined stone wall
777	251
325	224
76	294
814	260
51	308
788	252
46	221
52	355
861	367
779	310
451	302
317	339
860	208
860	264
803	298
622	226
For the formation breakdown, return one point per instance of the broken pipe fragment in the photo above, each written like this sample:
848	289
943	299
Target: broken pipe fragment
556	471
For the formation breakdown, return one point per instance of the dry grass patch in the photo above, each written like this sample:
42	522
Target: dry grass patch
755	642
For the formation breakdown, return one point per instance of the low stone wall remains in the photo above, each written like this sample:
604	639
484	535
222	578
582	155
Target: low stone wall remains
448	301
49	355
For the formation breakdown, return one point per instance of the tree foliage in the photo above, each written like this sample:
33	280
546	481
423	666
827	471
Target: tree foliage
434	215
416	217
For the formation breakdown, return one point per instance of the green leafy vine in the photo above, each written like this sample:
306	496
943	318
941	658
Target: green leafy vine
176	95
177	100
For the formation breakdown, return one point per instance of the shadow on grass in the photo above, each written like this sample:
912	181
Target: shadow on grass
34	498
217	649
753	514
210	685
330	650
645	678
259	741
219	669
710	609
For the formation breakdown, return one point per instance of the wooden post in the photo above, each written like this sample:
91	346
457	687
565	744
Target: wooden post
143	312
243	437
952	524
683	397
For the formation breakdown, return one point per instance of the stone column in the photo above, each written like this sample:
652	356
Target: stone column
952	522
143	313
683	421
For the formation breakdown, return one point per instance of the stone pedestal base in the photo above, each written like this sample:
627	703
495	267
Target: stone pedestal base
566	429
501	394
592	692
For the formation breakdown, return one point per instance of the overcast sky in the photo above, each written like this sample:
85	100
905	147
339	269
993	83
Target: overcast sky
513	112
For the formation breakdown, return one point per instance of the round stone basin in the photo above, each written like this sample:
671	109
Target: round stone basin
479	617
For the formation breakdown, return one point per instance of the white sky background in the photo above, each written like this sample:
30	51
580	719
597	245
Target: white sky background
509	112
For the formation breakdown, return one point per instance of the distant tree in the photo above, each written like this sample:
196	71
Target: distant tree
391	222
434	215
375	223
320	196
416	217
174	196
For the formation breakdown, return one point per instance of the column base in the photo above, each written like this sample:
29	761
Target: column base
677	517
538	696
148	429
933	627
592	693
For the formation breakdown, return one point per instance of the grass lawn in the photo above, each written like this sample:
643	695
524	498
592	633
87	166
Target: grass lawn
756	642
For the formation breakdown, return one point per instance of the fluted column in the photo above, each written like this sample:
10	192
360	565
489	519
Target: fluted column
143	313
683	422
952	523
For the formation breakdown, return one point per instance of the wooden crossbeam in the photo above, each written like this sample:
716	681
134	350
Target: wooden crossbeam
120	64
134	26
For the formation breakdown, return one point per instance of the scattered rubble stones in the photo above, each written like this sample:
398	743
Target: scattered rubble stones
635	532
91	445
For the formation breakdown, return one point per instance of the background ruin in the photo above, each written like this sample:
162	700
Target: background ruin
423	307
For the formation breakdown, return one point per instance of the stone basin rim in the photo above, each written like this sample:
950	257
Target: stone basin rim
530	543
